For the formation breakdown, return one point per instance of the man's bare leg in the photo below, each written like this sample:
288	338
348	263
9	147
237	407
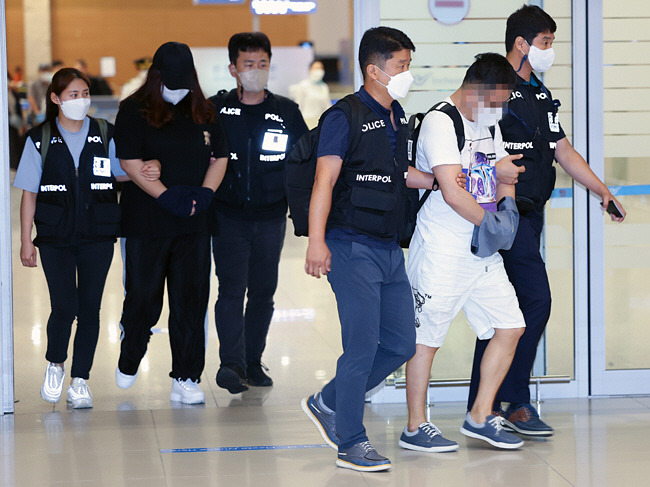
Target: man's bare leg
494	367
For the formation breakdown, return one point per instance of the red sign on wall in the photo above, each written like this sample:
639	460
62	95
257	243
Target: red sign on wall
449	12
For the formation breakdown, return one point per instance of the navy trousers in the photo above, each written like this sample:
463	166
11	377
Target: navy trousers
375	306
246	261
75	276
527	273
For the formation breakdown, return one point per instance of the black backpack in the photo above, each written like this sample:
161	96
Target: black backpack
414	202
301	163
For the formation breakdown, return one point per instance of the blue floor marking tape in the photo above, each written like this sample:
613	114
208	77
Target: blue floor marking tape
245	448
633	190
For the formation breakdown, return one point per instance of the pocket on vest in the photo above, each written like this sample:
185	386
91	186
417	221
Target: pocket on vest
47	218
370	208
273	185
105	218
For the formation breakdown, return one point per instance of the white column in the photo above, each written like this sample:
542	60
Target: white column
581	139
38	35
6	302
366	15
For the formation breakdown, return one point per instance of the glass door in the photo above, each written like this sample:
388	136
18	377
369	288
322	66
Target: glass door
620	288
439	63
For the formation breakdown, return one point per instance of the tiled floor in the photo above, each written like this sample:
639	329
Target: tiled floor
133	437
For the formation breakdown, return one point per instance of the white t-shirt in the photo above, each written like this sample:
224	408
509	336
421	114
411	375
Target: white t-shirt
441	228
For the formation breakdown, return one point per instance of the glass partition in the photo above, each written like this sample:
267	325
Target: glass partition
443	53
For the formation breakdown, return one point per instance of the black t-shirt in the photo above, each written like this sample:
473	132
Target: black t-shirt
183	148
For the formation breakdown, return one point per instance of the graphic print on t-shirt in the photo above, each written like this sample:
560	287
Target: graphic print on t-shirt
478	159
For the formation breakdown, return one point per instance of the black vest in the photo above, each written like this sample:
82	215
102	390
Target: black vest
254	179
76	205
526	130
369	196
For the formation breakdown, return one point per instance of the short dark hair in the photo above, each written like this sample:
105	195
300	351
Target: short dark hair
490	70
378	45
246	42
528	22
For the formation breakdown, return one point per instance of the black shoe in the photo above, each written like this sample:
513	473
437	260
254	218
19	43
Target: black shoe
255	375
232	377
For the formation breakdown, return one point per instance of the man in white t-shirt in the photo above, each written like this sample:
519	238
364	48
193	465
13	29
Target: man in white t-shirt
453	258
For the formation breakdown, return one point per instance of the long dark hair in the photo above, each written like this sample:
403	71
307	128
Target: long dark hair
157	112
61	80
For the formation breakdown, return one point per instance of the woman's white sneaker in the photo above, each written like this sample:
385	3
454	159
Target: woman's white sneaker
53	383
187	392
124	381
79	395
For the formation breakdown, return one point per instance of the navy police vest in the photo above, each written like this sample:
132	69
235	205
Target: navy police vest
76	205
369	196
254	177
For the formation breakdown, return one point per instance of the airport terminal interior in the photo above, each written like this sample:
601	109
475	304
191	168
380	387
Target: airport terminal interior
593	364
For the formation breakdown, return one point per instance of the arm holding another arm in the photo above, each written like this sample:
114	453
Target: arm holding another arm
455	196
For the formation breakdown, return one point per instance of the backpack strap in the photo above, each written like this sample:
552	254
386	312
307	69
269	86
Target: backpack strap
353	108
103	130
219	99
46	137
453	113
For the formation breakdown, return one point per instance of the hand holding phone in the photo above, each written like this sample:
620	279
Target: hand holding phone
614	209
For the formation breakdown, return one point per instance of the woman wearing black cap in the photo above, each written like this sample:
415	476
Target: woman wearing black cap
164	221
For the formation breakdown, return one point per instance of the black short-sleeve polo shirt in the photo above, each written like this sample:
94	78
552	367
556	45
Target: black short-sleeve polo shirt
183	148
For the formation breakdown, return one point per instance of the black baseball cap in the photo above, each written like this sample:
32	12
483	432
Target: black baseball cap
176	65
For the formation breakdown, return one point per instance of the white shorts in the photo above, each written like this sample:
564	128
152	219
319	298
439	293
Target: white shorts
443	285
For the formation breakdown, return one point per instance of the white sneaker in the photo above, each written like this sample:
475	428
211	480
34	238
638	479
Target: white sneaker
187	392
124	381
79	395
53	383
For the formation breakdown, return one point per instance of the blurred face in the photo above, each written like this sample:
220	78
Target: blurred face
76	89
487	103
317	66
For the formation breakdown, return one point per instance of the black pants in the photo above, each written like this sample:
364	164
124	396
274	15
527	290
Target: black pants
75	276
246	257
184	261
527	273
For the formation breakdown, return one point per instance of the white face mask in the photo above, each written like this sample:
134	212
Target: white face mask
75	109
254	80
487	116
174	96
540	59
399	85
316	74
46	77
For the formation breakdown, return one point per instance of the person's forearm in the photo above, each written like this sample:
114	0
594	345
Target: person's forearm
576	167
132	167
419	179
214	174
319	209
504	190
463	203
27	211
